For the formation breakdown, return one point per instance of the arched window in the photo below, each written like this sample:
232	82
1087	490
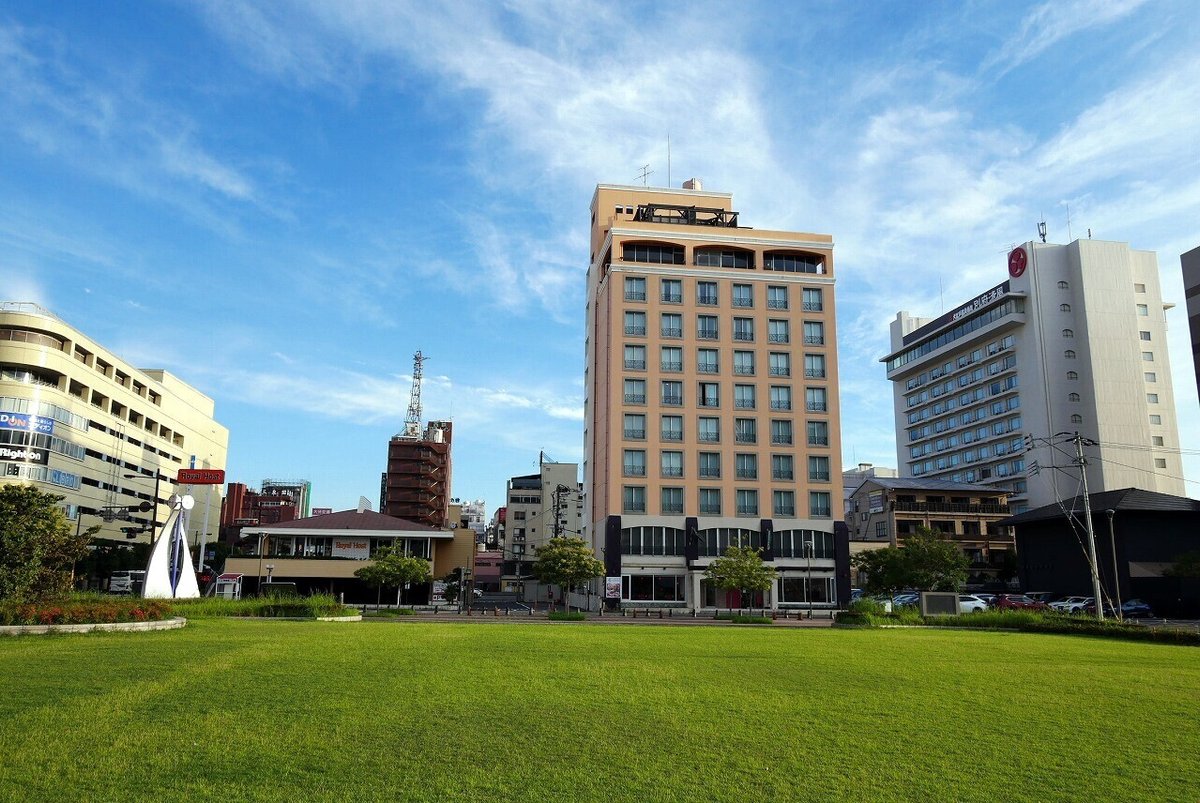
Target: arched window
1073	397
1068	333
1077	419
1071	375
1064	307
1063	285
1068	354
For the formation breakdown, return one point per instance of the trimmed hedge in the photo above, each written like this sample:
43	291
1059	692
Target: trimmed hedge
85	609
563	616
269	607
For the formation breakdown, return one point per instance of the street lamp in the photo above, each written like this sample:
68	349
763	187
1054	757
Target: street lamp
808	553
158	476
1112	538
270	567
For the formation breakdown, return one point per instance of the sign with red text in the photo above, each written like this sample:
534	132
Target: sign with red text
200	476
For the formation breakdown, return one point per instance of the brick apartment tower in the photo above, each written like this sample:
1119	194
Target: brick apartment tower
711	399
416	485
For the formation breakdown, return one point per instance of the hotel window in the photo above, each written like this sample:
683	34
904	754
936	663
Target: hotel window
671	324
1069	354
671	358
815	400
1155	419
778	331
784	503
706	327
1063	285
1076	419
1143	335
672	500
1143	310
635	426
746	466
635	463
794	263
745	430
1071	375
777	297
709	465
1156	440
1160	462
819	505
781	397
672	393
818	469
635	391
781	467
708	430
743	295
635	323
706	293
743	397
672	291
743	363
635	288
710	501
672	428
781	433
718	258
1139	288
1072	397
1150	376
707	361
634	499
672	464
818	433
743	329
814	366
814	333
635	358
1068	333
1064	307
1147	356
813	300
1152	398
708	394
779	363
747	502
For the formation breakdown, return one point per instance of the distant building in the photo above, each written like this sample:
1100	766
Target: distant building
1191	289
538	507
278	501
1075	340
474	513
78	421
883	511
416	484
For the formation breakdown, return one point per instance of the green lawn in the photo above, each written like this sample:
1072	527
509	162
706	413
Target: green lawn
253	710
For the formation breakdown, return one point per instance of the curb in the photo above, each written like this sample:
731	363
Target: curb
102	627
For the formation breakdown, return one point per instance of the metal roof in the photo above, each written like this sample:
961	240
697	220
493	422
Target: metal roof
918	484
1123	499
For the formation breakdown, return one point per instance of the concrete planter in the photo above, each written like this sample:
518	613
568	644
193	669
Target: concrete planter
105	627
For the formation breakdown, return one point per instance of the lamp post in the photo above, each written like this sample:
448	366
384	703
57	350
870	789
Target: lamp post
808	553
1112	538
270	567
158	477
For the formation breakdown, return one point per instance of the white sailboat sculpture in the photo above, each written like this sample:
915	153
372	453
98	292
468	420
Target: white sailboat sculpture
169	574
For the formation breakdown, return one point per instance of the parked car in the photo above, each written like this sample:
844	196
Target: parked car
1069	604
907	598
990	599
1090	608
1041	596
1135	608
855	593
970	603
126	582
1018	602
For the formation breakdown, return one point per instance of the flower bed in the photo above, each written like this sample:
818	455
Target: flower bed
84	609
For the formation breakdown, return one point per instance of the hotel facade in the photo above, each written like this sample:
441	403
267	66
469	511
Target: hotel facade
78	421
1074	341
711	404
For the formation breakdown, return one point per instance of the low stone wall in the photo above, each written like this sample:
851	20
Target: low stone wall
120	627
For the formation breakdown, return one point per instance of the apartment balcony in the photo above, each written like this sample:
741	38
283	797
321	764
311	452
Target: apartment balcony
948	507
816	407
671	436
672	298
784	476
635	365
671	367
775	303
672	471
672	401
635	434
814	340
744	404
635	471
814	373
671	332
747	474
780	371
635	330
635	398
777	338
744	337
706	334
634	295
813	306
780	404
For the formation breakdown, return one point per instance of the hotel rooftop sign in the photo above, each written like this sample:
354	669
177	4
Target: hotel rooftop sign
974	305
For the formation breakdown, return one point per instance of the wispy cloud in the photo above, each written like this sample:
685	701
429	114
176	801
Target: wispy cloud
1052	22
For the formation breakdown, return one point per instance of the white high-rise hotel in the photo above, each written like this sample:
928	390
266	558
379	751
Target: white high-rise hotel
1074	341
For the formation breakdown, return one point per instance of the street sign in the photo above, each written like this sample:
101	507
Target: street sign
200	476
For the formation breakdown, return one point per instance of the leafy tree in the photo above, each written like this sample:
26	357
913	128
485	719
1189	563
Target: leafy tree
740	569
925	561
38	545
453	583
566	562
392	567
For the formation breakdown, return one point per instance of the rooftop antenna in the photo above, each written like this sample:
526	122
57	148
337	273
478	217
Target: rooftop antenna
1042	228
1068	222
669	184
412	421
645	174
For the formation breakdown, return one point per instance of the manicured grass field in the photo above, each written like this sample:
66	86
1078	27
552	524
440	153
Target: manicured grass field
296	711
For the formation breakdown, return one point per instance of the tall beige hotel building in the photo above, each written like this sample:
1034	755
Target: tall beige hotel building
711	400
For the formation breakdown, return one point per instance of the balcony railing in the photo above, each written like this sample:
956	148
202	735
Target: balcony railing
671	332
744	337
785	510
744	303
710	473
781	404
672	298
819	476
744	404
747	474
671	435
814	373
635	471
672	400
635	365
777	370
635	295
635	434
672	471
706	334
635	398
672	366
814	306
746	437
668	509
707	300
777	337
817	440
782	475
707	368
709	437
747	510
821	512
777	303
816	407
948	507
744	370
814	340
635	330
781	440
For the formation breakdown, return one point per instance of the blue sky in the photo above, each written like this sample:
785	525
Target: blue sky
281	202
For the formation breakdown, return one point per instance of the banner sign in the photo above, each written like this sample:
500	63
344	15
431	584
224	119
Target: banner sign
979	302
612	587
439	593
25	454
875	501
200	476
33	423
357	548
322	511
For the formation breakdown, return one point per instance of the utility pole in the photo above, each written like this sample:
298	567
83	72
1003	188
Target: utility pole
1087	517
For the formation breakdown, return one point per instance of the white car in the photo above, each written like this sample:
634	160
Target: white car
969	603
1069	604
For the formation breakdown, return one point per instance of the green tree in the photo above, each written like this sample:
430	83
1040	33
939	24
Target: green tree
454	585
740	569
566	562
38	545
393	568
925	562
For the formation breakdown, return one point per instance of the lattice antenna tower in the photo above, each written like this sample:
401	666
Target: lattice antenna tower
412	421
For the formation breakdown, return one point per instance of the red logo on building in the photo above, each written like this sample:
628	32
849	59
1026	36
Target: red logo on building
1017	260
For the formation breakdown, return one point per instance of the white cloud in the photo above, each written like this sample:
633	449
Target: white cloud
1052	22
